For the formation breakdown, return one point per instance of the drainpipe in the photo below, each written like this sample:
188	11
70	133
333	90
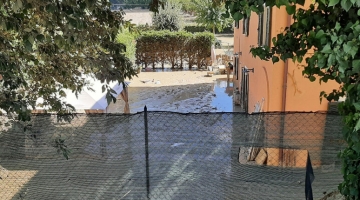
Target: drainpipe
283	106
286	69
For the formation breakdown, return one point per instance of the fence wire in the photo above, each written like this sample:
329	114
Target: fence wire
182	156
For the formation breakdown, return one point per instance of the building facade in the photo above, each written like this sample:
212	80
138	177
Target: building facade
264	86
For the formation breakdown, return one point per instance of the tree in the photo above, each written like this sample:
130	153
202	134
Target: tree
211	16
169	17
49	46
127	38
332	29
186	5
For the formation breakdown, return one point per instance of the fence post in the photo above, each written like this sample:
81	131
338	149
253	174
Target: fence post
147	153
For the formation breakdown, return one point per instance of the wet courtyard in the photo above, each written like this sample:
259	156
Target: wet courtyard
188	98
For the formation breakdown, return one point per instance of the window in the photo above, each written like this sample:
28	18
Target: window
236	66
244	89
246	23
264	27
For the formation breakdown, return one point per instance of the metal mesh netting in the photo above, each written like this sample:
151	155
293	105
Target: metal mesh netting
182	156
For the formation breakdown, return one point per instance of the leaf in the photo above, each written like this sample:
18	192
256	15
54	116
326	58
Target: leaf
334	38
346	5
356	66
28	45
351	48
319	34
333	2
312	78
31	39
40	37
59	40
357	126
300	2
304	21
226	15
238	16
357	105
326	49
17	5
103	88
354	191
331	59
108	97
337	26
290	9
275	59
62	93
113	91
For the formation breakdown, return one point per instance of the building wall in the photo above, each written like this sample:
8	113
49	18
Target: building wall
267	82
303	95
282	86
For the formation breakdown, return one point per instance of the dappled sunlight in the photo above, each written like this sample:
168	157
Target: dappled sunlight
12	181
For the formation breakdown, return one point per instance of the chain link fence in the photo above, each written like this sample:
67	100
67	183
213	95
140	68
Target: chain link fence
165	155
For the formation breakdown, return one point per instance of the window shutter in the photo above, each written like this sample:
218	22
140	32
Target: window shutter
236	67
268	25
260	31
246	23
244	26
247	26
264	26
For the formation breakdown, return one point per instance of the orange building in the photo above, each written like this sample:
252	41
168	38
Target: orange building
271	87
266	87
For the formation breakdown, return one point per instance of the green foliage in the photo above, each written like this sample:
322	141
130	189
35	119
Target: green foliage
174	48
126	4
143	27
61	147
332	29
48	46
197	28
186	5
127	38
211	16
168	18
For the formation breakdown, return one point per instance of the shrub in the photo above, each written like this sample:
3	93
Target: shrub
126	38
168	18
194	29
144	27
211	16
161	47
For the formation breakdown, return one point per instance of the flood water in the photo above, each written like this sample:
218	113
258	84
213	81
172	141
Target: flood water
223	99
190	98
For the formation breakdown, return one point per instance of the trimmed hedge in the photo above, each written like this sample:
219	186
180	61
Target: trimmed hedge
196	29
174	48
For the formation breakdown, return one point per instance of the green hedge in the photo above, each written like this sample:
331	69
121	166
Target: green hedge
174	48
196	29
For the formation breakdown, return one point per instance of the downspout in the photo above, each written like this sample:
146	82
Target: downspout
286	70
283	106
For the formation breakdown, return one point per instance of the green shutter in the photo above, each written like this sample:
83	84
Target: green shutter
268	25
260	31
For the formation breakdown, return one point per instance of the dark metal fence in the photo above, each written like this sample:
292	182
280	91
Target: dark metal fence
165	155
